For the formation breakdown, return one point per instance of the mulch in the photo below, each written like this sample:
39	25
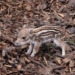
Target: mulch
14	14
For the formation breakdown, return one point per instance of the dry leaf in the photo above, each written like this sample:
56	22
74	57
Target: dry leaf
58	60
66	60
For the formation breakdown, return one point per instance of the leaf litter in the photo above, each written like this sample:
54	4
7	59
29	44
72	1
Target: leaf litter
14	14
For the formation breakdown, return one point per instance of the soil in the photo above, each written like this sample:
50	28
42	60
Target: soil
14	14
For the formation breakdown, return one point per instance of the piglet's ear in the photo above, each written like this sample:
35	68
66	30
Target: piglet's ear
25	26
28	26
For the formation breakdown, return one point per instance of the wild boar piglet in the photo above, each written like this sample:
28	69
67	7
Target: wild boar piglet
36	36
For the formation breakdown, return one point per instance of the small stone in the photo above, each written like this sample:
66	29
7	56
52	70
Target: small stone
19	66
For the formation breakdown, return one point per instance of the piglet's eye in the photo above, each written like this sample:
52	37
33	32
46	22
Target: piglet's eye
24	38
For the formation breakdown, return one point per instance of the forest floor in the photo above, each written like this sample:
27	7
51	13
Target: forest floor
14	14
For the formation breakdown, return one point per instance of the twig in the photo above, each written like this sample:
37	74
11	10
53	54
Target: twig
45	61
7	4
7	38
51	1
36	62
57	15
23	70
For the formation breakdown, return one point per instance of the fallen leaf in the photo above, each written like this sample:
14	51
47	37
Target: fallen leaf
58	60
66	60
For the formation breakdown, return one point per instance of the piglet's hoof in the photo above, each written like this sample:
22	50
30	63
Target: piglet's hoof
27	53
32	55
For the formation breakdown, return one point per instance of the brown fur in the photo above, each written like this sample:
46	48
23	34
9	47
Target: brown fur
43	34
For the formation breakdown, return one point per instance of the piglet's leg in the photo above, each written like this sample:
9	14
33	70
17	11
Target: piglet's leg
30	49
61	44
36	48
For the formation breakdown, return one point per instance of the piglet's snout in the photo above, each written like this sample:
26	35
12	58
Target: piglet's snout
16	43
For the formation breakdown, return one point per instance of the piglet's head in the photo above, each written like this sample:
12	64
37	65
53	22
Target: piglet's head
23	37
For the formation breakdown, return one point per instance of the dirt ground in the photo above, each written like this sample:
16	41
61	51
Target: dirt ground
14	14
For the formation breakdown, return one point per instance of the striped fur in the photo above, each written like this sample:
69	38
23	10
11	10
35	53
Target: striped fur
35	37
